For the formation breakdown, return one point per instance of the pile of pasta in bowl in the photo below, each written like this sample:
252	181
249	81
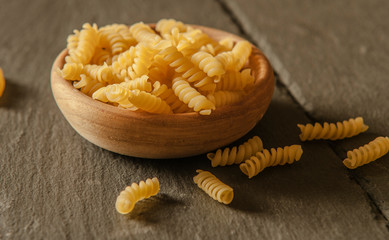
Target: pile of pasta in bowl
166	68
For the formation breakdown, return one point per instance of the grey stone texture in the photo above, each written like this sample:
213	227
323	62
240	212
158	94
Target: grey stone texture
332	60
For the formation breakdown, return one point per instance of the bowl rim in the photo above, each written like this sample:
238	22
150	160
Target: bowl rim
263	74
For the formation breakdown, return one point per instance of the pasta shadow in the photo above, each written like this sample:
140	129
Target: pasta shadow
154	209
14	95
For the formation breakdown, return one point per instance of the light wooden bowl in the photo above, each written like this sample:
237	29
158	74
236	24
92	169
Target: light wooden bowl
164	136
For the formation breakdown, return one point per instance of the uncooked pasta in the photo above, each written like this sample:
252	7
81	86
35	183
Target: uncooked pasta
236	155
367	153
280	156
127	199
215	188
195	72
332	131
2	82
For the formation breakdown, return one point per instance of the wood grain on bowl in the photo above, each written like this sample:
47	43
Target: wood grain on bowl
157	136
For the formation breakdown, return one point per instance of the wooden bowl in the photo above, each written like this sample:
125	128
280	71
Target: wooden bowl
156	136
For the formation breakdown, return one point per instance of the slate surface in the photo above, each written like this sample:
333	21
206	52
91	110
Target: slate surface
56	185
333	58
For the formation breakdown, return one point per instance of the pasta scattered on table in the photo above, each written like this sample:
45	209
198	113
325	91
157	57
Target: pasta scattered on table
214	72
215	188
332	131
280	156
127	199
236	155
367	153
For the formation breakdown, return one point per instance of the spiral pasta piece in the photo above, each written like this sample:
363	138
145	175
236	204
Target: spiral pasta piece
184	66
237	154
72	41
140	83
127	198
256	164
215	188
116	37
87	42
2	82
122	65
341	130
367	153
242	51
88	85
192	97
101	73
234	81
167	94
148	102
165	26
206	62
223	98
142	61
117	93
143	33
72	71
227	60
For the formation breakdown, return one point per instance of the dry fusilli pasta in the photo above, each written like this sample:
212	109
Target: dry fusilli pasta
237	154
127	198
367	153
289	154
330	131
2	82
214	187
148	102
186	64
192	97
206	62
223	98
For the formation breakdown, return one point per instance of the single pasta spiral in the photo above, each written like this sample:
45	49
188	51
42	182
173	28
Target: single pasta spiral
148	102
72	41
164	26
227	59
289	154
101	73
127	198
116	37
144	55
214	187
87	42
237	154
367	153
143	33
330	131
206	62
184	66
72	71
192	97
115	93
241	51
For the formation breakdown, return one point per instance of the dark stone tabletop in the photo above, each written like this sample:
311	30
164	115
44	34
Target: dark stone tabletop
331	60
